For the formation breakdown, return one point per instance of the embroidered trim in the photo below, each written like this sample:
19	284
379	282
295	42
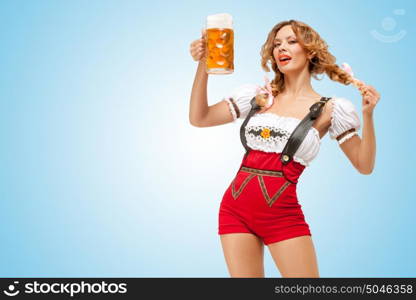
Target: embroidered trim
271	200
262	172
345	135
266	132
245	182
235	107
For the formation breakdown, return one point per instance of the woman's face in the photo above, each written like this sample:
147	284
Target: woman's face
287	45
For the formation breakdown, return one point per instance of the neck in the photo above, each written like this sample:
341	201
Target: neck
298	85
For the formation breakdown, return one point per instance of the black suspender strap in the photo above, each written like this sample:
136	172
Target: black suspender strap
254	108
300	132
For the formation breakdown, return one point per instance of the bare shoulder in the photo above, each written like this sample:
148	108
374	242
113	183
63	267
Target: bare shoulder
328	107
323	122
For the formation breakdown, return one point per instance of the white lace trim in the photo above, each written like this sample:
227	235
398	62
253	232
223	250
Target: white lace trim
231	108
275	144
348	136
291	119
270	139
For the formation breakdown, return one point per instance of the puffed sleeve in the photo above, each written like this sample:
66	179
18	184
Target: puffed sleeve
345	121
239	100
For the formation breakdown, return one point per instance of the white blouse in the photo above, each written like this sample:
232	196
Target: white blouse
269	132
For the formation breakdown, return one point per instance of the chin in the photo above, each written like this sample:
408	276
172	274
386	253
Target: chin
286	70
291	69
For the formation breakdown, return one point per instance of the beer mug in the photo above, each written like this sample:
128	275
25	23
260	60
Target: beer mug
219	44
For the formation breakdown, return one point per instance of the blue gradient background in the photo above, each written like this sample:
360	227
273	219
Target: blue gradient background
103	175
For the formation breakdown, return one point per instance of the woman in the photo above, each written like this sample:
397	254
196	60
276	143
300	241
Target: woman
262	207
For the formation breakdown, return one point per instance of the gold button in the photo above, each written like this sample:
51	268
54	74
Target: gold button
285	157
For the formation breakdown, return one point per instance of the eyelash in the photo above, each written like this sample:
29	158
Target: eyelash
289	43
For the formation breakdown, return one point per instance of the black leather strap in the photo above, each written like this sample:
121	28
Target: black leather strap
254	108
300	132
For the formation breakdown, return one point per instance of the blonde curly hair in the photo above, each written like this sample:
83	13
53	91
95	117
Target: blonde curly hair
322	60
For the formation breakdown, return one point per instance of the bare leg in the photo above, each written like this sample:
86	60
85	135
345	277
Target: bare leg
243	253
295	257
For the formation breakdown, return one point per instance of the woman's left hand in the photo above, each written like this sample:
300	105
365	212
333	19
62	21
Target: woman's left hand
370	98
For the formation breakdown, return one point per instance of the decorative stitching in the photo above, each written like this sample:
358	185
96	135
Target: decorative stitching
271	200
245	182
262	172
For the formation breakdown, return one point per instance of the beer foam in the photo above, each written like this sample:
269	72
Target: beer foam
223	20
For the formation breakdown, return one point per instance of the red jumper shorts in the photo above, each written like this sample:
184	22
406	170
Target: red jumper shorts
262	199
